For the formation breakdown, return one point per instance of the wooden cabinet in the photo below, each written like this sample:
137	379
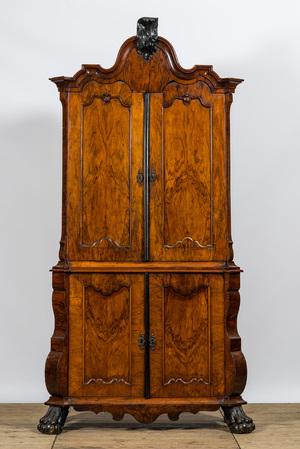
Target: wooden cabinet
146	292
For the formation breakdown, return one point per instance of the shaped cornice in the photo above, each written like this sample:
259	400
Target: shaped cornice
164	60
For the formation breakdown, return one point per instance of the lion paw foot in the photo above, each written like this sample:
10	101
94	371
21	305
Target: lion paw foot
237	420
52	423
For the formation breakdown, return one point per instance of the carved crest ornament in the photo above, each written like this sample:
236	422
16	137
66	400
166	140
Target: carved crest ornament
147	36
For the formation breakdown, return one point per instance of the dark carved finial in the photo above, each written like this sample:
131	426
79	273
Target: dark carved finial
147	36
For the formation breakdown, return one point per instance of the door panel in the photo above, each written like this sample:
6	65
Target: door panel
106	318
188	218
186	335
106	204
187	320
105	174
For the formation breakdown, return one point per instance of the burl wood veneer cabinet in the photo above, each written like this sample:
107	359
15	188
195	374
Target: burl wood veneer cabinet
146	293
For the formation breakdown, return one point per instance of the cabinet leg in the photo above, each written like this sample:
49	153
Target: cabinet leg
237	420
52	423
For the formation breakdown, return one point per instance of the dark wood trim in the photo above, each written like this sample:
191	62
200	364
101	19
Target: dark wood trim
147	348
146	175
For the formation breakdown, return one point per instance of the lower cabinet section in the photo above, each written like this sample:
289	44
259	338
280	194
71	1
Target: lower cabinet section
170	344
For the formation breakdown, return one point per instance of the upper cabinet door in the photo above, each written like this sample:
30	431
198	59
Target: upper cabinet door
187	152
105	154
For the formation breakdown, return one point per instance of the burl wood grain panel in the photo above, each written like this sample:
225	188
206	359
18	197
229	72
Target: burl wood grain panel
105	193
186	183
105	203
107	343
187	151
187	319
106	318
186	335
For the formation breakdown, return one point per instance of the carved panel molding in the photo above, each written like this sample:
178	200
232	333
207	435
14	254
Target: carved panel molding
190	354
188	239
196	91
106	99
185	188
106	383
195	379
113	242
106	335
107	290
105	167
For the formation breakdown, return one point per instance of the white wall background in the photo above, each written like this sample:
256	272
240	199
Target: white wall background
258	41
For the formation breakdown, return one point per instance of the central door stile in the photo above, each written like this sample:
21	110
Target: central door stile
147	346
146	238
146	174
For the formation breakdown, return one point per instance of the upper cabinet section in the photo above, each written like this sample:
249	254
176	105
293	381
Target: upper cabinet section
138	176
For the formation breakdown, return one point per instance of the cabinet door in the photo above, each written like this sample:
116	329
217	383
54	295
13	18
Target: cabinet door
105	154
106	316
187	152
187	320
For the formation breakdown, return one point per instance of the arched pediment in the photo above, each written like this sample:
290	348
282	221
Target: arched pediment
146	75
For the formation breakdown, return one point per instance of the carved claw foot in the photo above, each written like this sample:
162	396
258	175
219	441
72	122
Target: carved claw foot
237	420
52	423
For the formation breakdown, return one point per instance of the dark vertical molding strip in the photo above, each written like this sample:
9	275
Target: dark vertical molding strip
146	239
147	352
146	174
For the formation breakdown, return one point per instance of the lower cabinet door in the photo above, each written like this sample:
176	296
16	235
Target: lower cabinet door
106	317
187	327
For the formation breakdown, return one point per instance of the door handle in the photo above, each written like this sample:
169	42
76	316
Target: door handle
152	342
140	177
152	176
141	340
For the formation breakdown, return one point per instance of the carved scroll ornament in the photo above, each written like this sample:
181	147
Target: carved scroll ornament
147	36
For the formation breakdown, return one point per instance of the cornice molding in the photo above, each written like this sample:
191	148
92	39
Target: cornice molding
204	73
